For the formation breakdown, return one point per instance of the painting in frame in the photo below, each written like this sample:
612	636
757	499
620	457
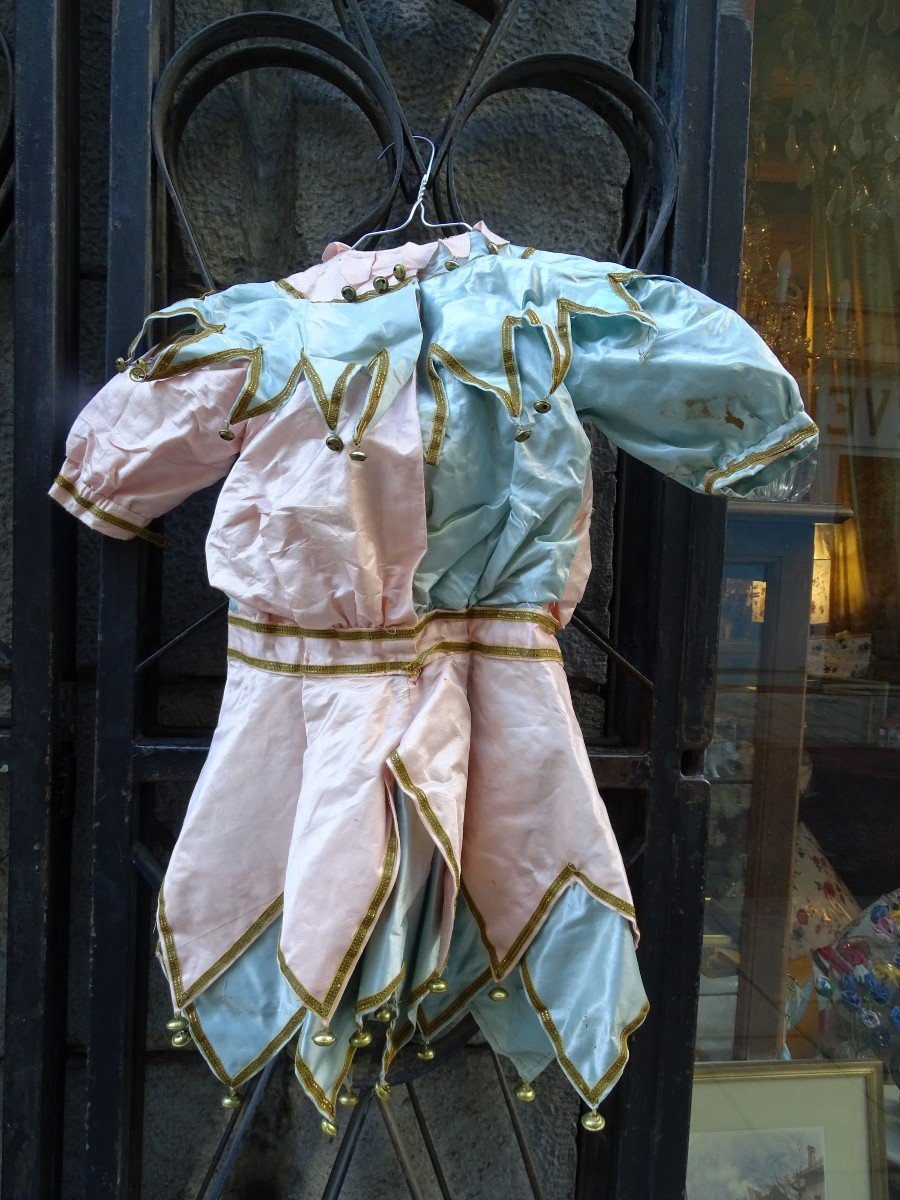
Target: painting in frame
810	1130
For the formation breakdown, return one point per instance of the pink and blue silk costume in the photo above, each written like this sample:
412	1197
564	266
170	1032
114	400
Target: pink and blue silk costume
397	790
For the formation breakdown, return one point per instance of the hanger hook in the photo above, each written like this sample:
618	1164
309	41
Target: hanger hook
418	205
425	178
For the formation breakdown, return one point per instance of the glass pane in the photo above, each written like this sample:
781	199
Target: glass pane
802	940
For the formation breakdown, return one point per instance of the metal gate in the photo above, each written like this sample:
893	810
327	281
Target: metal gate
667	567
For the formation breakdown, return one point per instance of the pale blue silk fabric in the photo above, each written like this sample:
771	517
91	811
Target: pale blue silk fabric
579	972
674	378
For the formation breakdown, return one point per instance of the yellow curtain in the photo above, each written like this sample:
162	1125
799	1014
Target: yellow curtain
865	572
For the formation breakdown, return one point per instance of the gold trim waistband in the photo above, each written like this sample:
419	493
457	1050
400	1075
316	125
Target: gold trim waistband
532	616
405	666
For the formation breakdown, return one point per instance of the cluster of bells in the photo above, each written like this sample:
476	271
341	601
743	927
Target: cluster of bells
336	443
181	1039
138	370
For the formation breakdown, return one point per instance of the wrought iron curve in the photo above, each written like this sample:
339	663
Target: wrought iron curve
273	39
497	13
626	107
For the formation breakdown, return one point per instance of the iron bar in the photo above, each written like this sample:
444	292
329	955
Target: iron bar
347	1145
593	634
537	1190
7	138
234	1134
120	900
45	330
179	637
429	1141
401	1150
146	862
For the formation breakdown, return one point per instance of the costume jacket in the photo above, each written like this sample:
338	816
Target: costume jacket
397	813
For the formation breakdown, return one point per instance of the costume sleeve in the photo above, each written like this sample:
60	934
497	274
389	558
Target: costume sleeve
140	446
688	387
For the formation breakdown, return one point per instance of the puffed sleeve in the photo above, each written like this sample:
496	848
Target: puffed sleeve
687	386
170	422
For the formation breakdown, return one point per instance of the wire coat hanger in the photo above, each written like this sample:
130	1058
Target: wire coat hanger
418	206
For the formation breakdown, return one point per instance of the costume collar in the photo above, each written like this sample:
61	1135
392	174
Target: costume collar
418	257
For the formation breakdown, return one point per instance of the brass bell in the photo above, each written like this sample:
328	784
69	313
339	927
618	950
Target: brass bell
522	435
542	406
329	1128
493	248
498	993
426	1054
231	1099
333	442
361	1038
358	455
139	371
592	1121
226	434
176	1024
182	1039
384	1014
324	1037
525	1092
121	364
438	985
348	1099
383	1091
348	292
380	284
451	265
399	271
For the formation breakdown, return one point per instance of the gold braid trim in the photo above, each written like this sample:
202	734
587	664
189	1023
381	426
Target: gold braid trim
330	405
760	456
257	1063
511	398
323	1008
182	996
408	666
360	635
290	289
315	1091
380	364
155	539
439	427
500	966
206	327
378	998
416	794
394	1043
593	1093
617	279
397	667
441	1019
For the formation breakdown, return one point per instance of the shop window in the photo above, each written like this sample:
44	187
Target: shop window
801	959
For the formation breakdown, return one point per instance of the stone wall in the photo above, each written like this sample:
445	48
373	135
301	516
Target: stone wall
274	167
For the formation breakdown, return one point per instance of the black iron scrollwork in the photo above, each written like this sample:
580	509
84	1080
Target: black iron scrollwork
353	64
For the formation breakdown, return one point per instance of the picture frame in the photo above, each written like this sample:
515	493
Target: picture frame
787	1130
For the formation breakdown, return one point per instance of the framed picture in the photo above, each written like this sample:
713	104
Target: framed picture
811	1130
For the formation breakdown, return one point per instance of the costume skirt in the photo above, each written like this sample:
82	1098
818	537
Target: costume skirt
401	822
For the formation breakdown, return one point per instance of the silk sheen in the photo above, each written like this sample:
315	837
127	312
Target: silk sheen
397	789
